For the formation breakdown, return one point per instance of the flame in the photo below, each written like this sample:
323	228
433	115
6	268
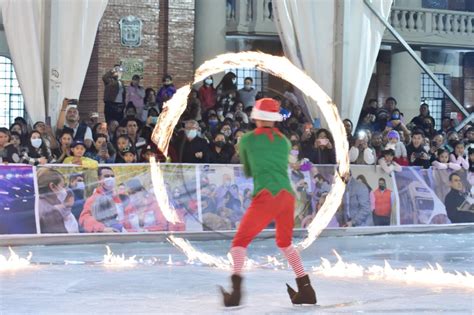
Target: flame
194	255
428	276
282	68
111	260
160	192
14	262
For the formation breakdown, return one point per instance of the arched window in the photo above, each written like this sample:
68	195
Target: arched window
11	100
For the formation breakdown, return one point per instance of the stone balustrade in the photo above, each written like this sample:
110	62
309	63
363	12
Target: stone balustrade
418	26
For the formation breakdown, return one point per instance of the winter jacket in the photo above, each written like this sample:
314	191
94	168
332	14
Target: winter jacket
87	220
362	157
357	204
393	167
460	160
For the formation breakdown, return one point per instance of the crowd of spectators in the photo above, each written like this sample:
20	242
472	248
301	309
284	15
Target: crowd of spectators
211	126
216	117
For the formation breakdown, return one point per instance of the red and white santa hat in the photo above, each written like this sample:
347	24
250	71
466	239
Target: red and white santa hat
266	109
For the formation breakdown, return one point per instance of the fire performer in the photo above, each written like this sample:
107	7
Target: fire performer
265	155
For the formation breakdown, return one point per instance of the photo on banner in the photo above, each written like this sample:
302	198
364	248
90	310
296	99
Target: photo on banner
225	195
370	198
420	201
17	200
112	198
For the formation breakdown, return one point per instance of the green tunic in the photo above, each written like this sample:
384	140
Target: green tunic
266	160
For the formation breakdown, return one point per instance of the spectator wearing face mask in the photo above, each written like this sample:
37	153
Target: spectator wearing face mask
382	200
248	93
397	124
192	148
36	151
166	91
208	94
322	151
52	196
114	94
360	152
221	152
130	111
95	204
419	121
135	94
398	148
46	134
417	155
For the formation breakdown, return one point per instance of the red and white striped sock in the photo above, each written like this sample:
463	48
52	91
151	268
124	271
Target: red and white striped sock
238	254
294	259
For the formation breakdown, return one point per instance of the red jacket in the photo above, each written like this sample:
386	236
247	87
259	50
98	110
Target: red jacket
87	220
159	224
383	204
207	96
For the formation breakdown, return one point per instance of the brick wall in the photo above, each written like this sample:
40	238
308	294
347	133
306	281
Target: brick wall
166	47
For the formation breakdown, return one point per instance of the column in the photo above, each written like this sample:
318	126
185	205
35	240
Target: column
210	30
405	86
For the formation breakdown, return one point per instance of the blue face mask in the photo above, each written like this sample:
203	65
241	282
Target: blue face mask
213	122
191	134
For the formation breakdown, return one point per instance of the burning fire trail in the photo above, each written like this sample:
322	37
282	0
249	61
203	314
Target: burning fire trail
432	276
111	260
284	69
160	192
14	262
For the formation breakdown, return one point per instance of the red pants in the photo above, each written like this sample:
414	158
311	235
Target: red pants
264	209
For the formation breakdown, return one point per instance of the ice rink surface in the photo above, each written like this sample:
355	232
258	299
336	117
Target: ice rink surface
50	286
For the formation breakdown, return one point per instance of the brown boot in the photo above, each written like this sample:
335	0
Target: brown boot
305	294
233	299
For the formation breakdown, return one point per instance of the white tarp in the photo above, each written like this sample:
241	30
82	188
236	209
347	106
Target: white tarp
72	27
23	22
331	40
78	22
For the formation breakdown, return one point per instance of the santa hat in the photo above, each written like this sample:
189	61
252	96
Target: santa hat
266	109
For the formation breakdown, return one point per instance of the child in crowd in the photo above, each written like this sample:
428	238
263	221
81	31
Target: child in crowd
387	162
458	157
78	149
129	155
442	161
398	147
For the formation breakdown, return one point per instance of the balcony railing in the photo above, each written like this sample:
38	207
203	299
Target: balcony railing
433	27
250	17
429	27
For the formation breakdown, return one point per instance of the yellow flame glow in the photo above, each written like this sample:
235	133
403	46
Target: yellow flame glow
112	260
432	276
280	67
14	262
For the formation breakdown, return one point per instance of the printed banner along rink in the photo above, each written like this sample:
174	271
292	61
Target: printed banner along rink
368	274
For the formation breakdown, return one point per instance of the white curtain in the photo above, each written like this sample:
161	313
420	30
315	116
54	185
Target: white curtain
23	21
336	43
76	28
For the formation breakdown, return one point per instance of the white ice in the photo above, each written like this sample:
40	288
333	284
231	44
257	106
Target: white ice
51	287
